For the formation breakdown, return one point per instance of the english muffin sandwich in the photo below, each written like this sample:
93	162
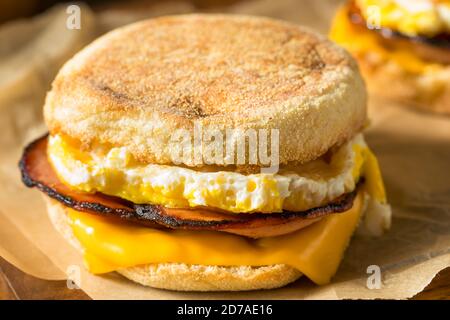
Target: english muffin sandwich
209	152
403	48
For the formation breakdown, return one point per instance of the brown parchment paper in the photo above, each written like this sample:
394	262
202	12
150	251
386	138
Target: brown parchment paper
413	150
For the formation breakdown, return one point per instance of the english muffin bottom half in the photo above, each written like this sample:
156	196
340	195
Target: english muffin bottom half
403	49
209	153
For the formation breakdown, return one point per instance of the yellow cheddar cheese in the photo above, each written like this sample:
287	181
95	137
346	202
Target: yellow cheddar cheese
316	250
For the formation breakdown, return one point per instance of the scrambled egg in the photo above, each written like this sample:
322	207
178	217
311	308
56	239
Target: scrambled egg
115	172
410	17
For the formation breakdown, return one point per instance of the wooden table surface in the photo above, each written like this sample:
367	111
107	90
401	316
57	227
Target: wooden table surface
15	285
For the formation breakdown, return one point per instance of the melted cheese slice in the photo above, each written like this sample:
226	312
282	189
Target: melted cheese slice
316	251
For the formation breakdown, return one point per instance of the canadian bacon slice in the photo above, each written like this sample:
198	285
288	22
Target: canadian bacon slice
37	172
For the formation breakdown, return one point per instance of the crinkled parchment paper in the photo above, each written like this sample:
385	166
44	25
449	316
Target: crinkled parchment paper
413	149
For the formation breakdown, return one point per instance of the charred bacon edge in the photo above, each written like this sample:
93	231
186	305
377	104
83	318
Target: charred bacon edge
149	214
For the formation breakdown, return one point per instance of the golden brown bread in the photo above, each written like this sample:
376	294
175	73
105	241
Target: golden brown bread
183	277
136	85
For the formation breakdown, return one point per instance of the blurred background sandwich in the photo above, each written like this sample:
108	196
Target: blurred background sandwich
403	48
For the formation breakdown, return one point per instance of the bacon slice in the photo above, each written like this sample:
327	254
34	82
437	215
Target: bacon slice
37	172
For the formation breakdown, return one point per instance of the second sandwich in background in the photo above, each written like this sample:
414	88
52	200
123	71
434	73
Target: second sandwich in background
403	48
